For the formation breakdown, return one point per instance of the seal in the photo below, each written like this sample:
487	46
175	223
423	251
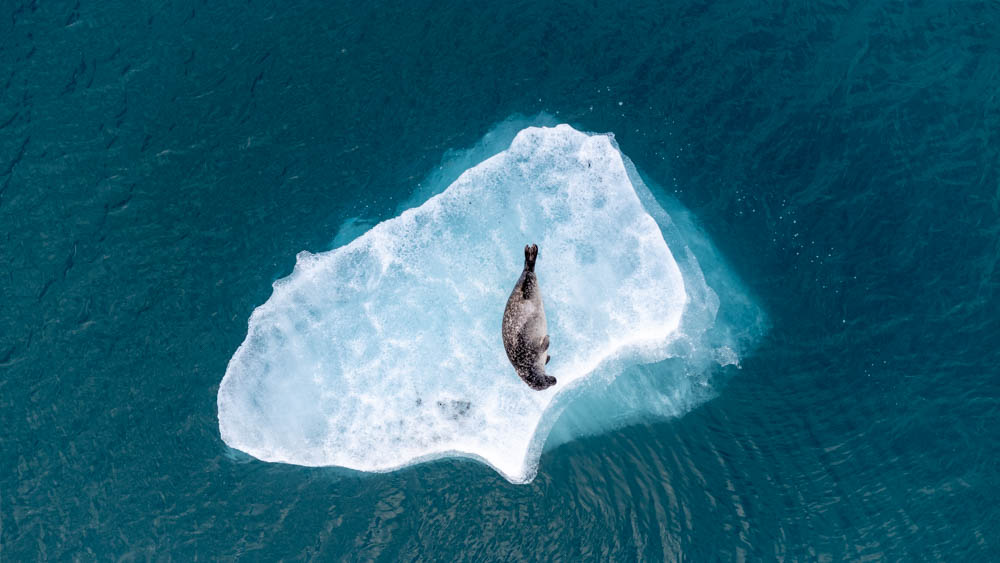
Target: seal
525	334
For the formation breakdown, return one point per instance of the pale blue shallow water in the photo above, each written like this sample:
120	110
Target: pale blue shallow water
162	164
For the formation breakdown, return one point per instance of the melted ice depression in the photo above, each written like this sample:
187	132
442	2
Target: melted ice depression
387	351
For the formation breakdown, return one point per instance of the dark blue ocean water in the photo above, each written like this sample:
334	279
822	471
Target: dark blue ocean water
161	163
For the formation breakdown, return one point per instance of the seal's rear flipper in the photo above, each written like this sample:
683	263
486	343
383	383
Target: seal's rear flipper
530	255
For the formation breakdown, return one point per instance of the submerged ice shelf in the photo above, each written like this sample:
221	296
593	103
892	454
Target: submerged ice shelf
387	351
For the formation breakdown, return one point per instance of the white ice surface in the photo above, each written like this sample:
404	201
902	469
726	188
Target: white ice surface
387	351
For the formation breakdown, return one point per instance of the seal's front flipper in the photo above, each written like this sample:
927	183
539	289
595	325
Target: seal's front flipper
547	358
544	344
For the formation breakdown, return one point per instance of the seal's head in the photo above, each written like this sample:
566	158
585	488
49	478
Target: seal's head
535	377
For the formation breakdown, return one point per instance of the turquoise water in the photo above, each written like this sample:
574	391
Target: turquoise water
162	165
